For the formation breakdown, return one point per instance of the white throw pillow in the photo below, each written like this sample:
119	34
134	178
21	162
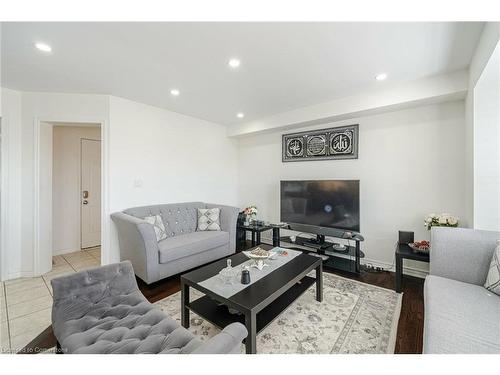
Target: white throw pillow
493	279
208	219
157	222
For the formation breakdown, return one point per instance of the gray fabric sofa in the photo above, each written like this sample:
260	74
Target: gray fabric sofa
461	316
183	249
102	311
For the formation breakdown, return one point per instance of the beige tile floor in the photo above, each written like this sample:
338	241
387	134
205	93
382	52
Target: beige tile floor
26	303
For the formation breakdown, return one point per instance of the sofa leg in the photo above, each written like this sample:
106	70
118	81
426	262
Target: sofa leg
58	348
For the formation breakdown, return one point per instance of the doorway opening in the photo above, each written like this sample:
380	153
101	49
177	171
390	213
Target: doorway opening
76	195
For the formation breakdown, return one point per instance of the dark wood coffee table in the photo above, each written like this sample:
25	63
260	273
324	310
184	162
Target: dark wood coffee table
259	303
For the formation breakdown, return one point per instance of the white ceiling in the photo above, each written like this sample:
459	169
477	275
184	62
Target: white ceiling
283	65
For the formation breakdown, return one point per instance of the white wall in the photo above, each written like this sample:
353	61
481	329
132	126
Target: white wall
487	43
411	163
66	185
176	158
487	146
11	184
180	158
36	107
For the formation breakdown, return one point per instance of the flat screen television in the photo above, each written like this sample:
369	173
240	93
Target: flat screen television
321	203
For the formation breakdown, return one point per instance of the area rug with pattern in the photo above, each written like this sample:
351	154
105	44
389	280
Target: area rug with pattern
354	317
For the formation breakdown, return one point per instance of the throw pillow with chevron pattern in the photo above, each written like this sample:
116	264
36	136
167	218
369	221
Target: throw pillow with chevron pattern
493	279
157	222
208	219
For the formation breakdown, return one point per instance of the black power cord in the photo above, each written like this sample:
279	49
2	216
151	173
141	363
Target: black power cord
368	267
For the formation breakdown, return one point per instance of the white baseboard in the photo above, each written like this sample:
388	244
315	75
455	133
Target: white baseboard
66	251
17	275
411	271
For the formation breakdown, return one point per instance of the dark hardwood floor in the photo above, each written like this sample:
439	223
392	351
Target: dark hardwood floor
411	321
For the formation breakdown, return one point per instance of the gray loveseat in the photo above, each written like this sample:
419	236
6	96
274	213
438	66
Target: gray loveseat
461	316
183	249
102	311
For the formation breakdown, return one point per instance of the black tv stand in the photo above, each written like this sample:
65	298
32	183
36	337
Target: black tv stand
316	243
345	260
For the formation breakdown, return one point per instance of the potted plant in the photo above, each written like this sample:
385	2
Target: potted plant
441	220
250	213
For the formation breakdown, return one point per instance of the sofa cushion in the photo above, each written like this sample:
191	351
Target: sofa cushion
157	223
460	317
178	247
208	219
493	279
178	219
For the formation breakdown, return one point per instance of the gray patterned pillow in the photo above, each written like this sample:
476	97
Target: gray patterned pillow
157	222
493	279
208	219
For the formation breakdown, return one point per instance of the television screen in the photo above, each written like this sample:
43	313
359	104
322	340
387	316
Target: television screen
323	203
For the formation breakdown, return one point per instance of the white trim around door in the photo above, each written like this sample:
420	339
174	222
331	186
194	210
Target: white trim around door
40	251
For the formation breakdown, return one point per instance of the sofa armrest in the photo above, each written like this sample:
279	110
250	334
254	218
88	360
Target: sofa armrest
137	241
228	219
462	254
227	342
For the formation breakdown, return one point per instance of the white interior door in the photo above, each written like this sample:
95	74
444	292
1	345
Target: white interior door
91	193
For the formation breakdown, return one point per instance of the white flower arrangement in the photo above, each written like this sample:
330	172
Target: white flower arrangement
250	211
441	220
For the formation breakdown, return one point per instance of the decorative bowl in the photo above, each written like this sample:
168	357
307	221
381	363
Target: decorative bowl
420	247
258	259
258	253
267	255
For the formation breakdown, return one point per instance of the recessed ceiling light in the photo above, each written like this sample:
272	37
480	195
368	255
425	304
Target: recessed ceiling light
381	76
234	63
240	115
43	47
175	92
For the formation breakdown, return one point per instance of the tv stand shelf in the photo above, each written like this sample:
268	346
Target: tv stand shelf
346	261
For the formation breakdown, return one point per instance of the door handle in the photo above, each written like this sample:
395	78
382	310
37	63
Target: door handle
85	202
85	194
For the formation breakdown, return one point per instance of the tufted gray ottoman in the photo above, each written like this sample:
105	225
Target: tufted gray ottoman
102	311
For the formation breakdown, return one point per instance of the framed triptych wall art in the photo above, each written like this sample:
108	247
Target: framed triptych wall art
324	144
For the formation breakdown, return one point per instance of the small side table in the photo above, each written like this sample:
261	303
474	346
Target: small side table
403	251
256	231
